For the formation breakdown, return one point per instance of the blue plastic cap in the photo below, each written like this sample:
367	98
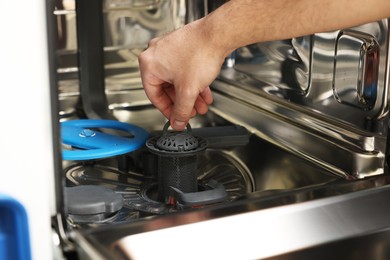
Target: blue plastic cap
95	144
14	231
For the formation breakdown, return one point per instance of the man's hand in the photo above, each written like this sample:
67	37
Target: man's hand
178	68
176	72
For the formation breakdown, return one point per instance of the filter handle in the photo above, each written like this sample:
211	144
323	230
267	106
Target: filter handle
168	124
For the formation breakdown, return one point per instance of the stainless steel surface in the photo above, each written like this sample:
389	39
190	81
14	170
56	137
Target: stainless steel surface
139	189
263	165
329	89
315	71
278	231
280	178
314	171
128	27
243	231
324	141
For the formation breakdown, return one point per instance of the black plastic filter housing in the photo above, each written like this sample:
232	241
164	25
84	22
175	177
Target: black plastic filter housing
177	161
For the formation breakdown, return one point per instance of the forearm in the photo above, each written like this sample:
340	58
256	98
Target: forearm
178	67
242	22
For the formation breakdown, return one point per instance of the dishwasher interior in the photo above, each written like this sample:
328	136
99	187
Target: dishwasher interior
292	121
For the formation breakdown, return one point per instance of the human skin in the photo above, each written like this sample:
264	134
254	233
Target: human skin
178	68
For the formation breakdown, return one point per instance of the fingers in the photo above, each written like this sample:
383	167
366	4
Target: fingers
203	101
172	80
154	86
160	99
156	94
183	106
178	108
163	97
187	103
207	96
176	103
170	90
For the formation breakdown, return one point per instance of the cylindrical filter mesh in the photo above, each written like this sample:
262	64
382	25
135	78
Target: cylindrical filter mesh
179	172
177	161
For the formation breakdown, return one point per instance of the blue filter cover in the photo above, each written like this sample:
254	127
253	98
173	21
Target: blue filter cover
14	232
93	144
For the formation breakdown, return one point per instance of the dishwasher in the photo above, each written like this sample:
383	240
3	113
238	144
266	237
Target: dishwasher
290	162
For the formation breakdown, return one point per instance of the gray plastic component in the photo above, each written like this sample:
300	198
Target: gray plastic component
220	136
90	200
223	136
216	194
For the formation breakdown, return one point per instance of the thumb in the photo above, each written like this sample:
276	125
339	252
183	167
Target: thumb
183	107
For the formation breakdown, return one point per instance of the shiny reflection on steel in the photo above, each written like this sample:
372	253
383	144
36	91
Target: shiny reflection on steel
279	230
303	138
303	71
306	78
339	149
195	9
323	63
132	4
285	64
268	166
128	27
356	69
328	92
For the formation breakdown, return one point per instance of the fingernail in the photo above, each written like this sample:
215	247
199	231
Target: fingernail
179	124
